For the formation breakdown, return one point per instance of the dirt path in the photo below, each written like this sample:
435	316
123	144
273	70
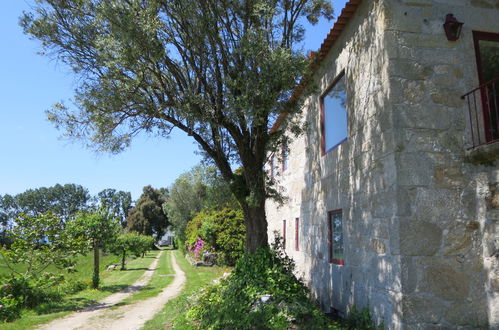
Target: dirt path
131	316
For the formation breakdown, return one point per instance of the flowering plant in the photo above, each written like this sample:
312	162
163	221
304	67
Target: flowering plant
199	248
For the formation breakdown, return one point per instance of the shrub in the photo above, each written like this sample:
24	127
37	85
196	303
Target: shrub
10	308
261	293
223	229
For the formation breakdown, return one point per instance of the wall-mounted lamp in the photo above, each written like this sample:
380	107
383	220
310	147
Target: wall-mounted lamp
452	27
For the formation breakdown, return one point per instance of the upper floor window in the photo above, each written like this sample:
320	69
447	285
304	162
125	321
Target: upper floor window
334	115
335	224
285	156
487	57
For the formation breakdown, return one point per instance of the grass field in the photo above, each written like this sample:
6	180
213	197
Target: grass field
111	282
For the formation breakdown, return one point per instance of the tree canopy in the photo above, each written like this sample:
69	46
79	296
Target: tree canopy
116	204
200	188
221	71
148	217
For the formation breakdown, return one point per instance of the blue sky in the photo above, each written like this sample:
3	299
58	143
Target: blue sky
33	155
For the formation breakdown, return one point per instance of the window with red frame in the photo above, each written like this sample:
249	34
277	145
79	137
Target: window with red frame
335	239
334	115
284	234
297	234
487	58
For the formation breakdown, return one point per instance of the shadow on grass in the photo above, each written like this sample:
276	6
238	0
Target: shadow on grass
72	304
113	288
129	269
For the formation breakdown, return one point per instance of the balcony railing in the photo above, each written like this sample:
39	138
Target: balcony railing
483	113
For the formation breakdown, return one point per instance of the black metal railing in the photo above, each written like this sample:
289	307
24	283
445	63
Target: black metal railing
483	113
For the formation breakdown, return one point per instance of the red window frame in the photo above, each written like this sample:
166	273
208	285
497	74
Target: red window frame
323	126
297	234
284	234
487	36
330	236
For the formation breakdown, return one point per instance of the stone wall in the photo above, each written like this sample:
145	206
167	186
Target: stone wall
445	224
420	218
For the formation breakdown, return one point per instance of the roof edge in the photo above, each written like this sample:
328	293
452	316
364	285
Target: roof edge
317	57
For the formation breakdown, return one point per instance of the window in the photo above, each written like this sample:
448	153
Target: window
335	224
285	157
487	57
334	115
272	167
297	234
284	234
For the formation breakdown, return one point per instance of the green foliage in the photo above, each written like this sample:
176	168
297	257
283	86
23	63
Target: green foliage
96	230
220	71
360	319
199	189
131	243
62	200
39	242
223	229
148	217
116	204
261	293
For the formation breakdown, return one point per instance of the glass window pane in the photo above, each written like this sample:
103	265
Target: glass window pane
335	115
337	236
489	54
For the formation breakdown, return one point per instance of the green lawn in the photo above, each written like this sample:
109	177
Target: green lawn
173	314
111	282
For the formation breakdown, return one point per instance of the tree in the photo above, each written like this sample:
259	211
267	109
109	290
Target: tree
62	200
40	242
147	217
221	71
116	204
200	188
96	230
130	243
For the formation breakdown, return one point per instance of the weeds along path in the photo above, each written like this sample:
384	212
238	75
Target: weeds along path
79	319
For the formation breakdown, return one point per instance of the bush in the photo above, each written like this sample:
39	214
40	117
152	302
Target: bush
224	230
261	293
10	308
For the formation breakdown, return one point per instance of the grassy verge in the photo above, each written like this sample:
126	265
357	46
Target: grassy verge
173	314
111	282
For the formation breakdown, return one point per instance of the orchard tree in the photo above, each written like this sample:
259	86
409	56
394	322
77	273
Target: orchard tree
148	217
220	71
38	243
130	243
96	230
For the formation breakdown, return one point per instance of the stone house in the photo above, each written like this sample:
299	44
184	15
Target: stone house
393	191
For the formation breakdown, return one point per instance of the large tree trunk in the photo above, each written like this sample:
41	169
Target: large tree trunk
254	209
256	227
95	277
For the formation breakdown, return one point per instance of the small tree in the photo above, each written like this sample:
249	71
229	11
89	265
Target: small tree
95	229
40	242
130	243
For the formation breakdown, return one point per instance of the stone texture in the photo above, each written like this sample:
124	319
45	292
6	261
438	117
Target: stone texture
447	283
418	238
423	309
420	212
